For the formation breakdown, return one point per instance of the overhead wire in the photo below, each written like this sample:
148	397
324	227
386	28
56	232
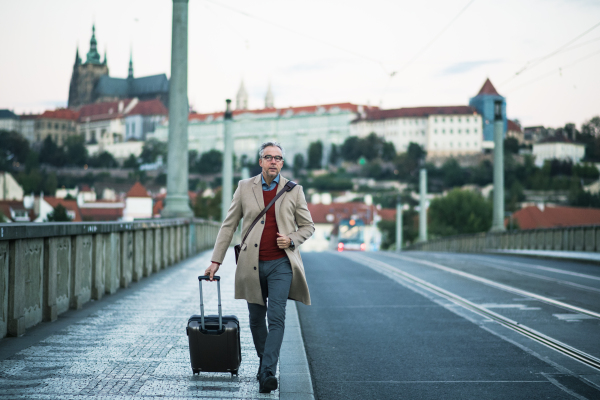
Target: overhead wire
533	63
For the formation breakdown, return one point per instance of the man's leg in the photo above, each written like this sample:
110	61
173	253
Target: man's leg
279	280
258	324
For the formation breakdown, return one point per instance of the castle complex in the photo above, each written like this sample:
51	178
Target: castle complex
91	83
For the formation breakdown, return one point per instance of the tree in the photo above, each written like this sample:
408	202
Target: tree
460	212
334	155
131	162
13	148
389	151
416	152
152	149
208	207
315	155
59	215
103	160
351	149
76	153
298	163
452	173
50	184
591	127
210	162
51	154
511	145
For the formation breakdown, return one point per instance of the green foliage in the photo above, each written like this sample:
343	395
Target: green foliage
51	154
407	164
210	162
152	149
586	171
30	181
298	163
131	162
209	207
453	174
3	218
388	230
330	182
334	155
50	184
370	147
511	145
13	148
59	214
460	212
103	160
580	198
315	155
75	150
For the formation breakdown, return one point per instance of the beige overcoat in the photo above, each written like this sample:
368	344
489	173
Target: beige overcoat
293	220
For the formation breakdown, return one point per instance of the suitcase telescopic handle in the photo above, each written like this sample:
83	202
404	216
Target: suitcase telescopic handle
218	279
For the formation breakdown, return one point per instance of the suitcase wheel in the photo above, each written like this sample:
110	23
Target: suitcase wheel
234	373
196	371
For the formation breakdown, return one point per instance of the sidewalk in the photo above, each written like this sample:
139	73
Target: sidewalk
563	255
136	347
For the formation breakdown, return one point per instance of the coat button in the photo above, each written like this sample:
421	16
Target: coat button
255	268
255	245
262	222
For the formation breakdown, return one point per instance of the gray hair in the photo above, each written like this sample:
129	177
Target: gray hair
263	146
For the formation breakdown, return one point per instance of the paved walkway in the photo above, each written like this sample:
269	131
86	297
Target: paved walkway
564	255
136	347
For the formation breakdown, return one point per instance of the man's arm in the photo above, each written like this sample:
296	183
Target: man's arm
306	227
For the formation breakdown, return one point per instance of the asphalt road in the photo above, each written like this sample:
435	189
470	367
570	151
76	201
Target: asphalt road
371	336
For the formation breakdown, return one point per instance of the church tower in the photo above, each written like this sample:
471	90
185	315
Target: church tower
241	100
86	75
269	98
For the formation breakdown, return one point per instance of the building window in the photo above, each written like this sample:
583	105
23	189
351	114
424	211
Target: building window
475	130
450	130
450	144
56	125
450	119
458	119
443	131
435	131
443	119
64	126
38	137
49	125
133	128
467	119
466	130
435	120
459	131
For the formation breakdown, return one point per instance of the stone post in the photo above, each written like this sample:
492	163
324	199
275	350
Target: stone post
227	161
177	201
423	204
498	216
398	225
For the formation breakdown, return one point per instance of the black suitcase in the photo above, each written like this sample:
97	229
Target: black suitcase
214	339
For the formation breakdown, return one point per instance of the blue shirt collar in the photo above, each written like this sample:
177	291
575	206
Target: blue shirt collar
273	184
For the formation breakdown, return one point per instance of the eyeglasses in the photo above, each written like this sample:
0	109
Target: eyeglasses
269	158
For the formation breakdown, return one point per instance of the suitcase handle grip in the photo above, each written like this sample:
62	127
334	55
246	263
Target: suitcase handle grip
207	278
218	279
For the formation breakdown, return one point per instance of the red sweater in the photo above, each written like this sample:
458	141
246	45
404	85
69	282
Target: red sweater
268	242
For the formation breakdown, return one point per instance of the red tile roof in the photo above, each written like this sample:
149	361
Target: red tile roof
157	208
280	111
137	190
553	217
6	205
407	112
29	116
102	214
61	113
70	205
488	88
149	107
102	111
513	126
319	212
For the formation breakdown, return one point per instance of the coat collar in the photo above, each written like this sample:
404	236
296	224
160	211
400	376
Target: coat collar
258	192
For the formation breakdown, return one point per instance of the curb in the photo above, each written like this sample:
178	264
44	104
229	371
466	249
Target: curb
580	256
294	372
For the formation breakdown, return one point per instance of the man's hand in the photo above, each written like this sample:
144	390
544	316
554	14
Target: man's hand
212	270
283	242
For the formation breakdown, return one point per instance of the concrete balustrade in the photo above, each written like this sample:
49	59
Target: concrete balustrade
577	238
47	269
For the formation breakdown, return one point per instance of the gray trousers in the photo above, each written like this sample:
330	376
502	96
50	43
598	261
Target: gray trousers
275	281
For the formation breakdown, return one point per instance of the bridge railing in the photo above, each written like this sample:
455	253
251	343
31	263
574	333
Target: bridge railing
573	238
48	268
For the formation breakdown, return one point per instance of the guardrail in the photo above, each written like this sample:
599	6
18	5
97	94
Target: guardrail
47	268
573	238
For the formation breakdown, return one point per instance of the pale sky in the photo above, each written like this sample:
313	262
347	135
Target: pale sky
320	51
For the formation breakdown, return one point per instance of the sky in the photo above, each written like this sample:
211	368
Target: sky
387	53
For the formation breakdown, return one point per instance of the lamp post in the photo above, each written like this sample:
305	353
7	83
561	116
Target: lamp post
177	201
498	216
423	203
398	225
227	161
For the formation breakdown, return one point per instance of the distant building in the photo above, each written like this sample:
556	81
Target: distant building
28	123
58	124
558	148
10	188
44	205
546	216
138	203
514	130
532	134
442	131
9	121
143	119
484	104
14	211
104	123
294	127
90	81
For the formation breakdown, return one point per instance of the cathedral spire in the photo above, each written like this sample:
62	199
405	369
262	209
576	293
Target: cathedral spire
105	62
241	99
130	73
269	98
77	58
93	57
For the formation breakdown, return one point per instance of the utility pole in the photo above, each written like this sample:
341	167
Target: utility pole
498	218
398	225
423	203
227	161
177	201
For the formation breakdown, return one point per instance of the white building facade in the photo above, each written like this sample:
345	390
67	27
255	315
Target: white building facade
558	148
441	131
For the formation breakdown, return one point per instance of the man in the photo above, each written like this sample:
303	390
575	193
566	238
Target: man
269	269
